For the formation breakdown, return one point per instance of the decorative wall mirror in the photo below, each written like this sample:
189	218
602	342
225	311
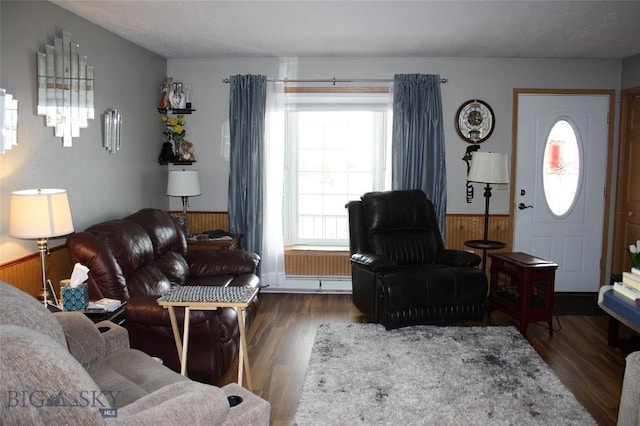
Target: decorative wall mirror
8	121
112	131
65	88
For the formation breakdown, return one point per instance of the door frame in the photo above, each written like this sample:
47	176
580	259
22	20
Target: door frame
608	174
620	250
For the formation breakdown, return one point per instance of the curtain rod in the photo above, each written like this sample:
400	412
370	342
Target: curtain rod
334	81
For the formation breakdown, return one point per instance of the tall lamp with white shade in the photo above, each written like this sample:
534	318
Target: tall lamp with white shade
184	184
488	168
40	214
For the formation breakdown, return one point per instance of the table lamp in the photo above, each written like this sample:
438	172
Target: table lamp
184	184
40	214
488	168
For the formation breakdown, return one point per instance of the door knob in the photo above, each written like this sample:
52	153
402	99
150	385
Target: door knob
521	206
631	214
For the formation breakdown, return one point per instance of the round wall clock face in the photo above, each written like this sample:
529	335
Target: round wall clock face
474	121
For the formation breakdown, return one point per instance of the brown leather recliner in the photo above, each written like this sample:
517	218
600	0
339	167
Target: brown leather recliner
141	257
401	273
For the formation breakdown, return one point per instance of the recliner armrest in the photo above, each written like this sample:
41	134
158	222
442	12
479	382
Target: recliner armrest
375	262
458	258
84	340
116	337
214	262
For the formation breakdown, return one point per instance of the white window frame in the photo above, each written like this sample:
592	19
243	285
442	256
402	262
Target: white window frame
331	102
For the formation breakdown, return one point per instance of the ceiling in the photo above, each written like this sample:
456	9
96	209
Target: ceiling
240	28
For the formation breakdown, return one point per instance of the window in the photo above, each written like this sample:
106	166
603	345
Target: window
561	169
336	151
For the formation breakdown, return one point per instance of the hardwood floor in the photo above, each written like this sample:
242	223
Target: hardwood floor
282	335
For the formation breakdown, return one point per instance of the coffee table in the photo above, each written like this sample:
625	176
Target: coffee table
209	298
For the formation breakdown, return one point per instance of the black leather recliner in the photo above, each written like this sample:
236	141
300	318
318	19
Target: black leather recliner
401	273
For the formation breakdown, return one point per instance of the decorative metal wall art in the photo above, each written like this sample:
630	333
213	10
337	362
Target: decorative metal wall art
65	88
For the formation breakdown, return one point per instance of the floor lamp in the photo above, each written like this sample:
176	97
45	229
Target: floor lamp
488	168
184	184
40	214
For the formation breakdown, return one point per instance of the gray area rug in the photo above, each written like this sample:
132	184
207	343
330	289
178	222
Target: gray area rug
427	375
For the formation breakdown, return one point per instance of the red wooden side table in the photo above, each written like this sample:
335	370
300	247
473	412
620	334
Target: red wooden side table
522	286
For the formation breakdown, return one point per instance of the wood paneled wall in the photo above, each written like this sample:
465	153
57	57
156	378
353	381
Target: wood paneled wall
205	221
464	227
25	272
317	263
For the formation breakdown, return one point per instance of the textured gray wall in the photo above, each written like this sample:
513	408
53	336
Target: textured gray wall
489	79
100	185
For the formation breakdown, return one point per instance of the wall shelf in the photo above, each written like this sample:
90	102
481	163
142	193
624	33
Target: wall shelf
176	110
177	163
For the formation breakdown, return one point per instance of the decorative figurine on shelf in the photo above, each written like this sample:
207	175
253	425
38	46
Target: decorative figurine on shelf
176	96
186	152
187	96
174	134
164	101
166	155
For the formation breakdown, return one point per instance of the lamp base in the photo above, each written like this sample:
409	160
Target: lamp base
46	297
182	221
43	249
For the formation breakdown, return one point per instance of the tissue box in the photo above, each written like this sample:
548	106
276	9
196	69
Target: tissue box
74	298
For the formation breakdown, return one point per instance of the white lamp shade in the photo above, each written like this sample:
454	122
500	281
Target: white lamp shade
183	183
489	167
39	213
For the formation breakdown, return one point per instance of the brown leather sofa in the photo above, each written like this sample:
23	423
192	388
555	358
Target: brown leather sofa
401	273
140	258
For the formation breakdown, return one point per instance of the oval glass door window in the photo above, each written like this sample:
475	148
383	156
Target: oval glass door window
561	168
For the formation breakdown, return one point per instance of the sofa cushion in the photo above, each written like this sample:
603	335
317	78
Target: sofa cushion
205	404
162	229
133	250
433	285
133	373
168	242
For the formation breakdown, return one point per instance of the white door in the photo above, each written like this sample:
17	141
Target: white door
560	184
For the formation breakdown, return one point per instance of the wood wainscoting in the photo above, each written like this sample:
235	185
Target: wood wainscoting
25	272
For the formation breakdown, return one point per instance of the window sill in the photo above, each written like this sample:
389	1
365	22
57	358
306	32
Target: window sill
305	248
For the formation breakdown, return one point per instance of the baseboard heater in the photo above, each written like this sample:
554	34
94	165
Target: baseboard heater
313	284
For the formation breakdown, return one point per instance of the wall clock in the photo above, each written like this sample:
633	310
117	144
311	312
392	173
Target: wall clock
475	121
